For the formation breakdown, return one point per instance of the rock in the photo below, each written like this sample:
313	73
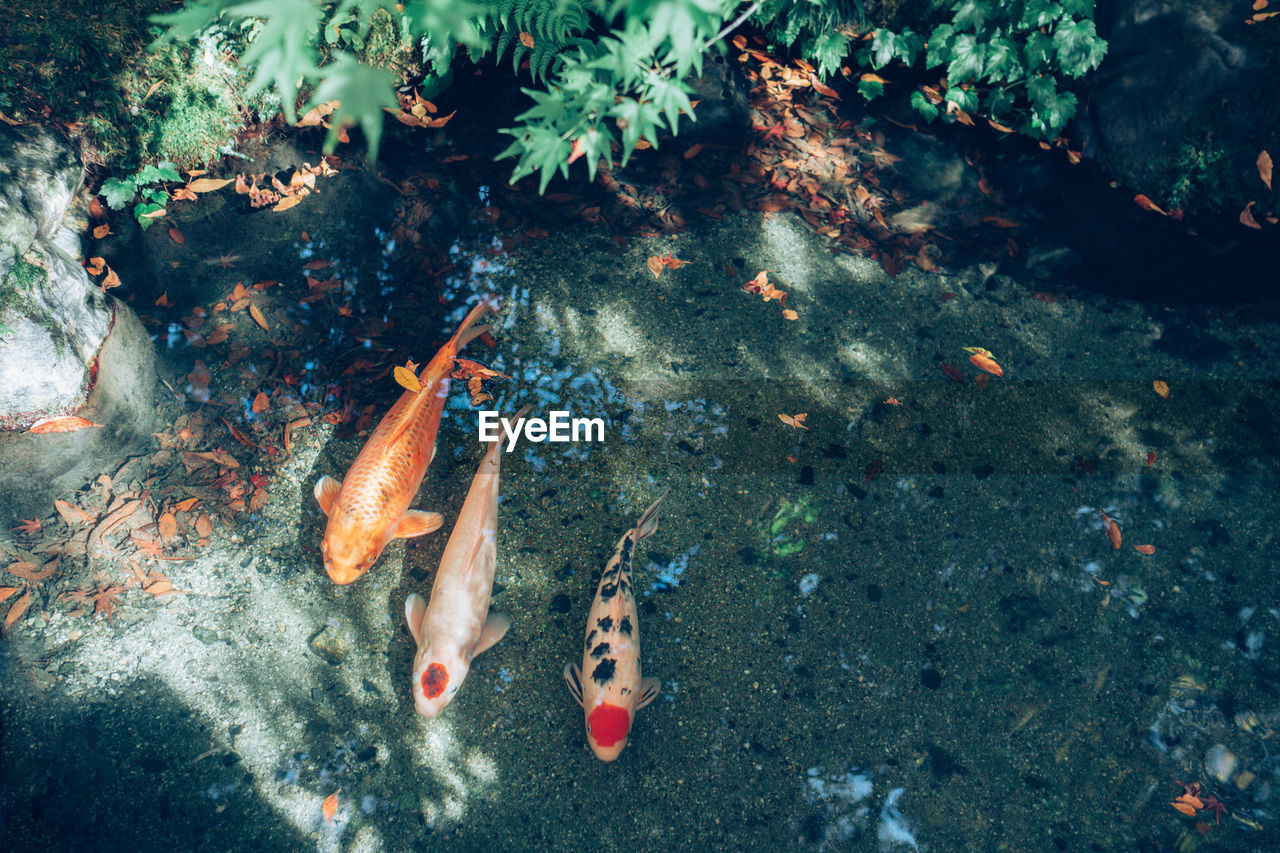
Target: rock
67	347
1176	101
332	642
1220	762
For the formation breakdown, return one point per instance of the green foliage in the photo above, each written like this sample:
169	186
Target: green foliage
148	184
555	27
1006	59
821	31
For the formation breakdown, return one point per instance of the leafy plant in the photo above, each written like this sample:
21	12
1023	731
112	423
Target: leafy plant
1005	59
540	31
149	184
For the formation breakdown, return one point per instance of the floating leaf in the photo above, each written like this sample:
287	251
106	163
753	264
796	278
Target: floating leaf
1186	808
405	377
65	424
95	266
1145	549
29	525
981	359
1147	204
654	263
261	403
203	525
103	230
794	421
1161	387
1264	168
287	202
788	314
330	807
526	39
951	372
258	318
1246	216
176	236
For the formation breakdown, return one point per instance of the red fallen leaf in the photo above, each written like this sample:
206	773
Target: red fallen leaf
71	513
206	185
258	317
112	280
981	359
693	151
982	380
163	301
1113	531
1147	204
1151	458
168	526
952	372
261	403
65	424
27	571
185	505
948	296
176	236
873	470
1246	216
1264	168
796	421
32	525
6	591
19	607
1145	549
654	263
101	231
203	525
95	266
330	806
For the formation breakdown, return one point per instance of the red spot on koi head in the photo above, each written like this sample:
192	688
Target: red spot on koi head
608	724
434	680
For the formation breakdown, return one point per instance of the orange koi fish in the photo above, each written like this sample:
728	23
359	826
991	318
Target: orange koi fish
614	690
457	625
371	506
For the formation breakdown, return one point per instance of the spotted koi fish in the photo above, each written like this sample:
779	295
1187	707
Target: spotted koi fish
371	505
613	690
457	625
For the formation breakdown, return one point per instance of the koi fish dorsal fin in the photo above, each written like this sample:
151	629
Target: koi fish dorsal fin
468	331
415	522
326	492
414	609
573	678
495	628
648	523
649	690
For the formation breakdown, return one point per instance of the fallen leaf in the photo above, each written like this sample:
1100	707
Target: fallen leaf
1186	808
112	280
951	372
261	403
95	266
981	359
6	591
1151	458
788	314
19	607
258	318
526	39
795	422
185	505
103	230
28	572
654	263
406	378
1264	169
287	202
176	236
203	525
207	185
892	401
1113	531
31	525
1147	204
168	526
330	807
71	513
65	424
1161	387
873	470
1145	549
1246	216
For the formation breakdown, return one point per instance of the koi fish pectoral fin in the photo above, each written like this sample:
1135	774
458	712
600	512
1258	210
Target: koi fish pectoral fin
326	492
495	628
415	522
414	609
649	690
573	678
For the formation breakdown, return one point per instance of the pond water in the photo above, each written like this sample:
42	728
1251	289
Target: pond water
897	623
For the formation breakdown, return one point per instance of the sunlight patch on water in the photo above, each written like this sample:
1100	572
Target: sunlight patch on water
792	245
867	361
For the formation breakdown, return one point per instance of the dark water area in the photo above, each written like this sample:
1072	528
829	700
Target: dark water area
914	619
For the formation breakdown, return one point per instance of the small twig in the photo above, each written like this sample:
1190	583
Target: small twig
737	22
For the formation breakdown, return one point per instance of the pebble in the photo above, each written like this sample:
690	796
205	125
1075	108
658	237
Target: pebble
1220	762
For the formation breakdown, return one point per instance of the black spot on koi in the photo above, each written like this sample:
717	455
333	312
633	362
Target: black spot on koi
603	673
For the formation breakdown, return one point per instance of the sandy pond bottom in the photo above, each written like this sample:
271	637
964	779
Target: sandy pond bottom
902	627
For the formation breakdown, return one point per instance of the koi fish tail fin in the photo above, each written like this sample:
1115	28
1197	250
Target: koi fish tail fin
648	523
468	331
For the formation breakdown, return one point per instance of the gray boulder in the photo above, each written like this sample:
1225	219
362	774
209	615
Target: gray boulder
66	348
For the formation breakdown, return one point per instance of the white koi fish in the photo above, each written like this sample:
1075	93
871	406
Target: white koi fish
613	690
457	625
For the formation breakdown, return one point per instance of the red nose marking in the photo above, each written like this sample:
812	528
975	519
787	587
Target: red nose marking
435	680
608	724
